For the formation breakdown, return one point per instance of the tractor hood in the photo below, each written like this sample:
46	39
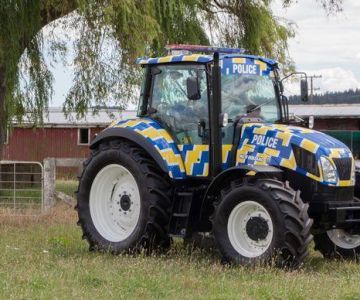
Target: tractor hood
296	148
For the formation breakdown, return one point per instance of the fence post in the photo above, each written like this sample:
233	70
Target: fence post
49	182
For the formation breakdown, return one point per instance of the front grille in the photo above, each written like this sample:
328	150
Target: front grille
306	160
343	166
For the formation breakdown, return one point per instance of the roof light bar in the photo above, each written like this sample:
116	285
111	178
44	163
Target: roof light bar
180	48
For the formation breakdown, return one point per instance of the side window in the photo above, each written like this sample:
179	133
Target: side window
171	105
141	107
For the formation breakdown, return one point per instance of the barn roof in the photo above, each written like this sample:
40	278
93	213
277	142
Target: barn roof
56	118
326	110
104	117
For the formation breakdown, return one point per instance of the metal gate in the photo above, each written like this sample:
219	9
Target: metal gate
21	187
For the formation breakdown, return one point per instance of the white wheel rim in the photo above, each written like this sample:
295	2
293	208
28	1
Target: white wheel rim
115	203
237	229
343	239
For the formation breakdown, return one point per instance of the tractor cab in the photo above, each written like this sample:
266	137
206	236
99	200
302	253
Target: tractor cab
201	94
181	91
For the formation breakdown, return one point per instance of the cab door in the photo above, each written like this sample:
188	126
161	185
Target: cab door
186	120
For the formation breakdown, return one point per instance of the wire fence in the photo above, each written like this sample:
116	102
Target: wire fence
21	188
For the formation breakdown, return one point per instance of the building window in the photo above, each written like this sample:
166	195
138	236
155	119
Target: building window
83	136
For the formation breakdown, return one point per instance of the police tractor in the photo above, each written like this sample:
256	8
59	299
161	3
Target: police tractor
212	152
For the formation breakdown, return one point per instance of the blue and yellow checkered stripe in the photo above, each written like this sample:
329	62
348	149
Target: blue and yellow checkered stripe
175	59
282	155
161	140
226	63
196	158
182	160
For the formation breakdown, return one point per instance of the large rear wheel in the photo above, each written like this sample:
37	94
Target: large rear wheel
123	199
261	221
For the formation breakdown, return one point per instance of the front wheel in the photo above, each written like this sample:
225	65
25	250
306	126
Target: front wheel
261	221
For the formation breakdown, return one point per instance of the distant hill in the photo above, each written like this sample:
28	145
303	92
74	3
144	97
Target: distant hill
345	97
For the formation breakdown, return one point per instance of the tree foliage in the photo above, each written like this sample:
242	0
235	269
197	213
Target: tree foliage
105	70
344	97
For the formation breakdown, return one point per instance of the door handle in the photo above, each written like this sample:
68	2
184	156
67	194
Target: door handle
201	128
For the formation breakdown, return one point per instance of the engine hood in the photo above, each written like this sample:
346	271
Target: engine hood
274	144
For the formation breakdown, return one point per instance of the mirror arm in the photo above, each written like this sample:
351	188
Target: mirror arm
294	73
286	107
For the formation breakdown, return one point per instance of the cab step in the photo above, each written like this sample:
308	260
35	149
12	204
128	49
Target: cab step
180	213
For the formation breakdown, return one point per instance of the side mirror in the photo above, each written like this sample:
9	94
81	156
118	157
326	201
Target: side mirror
304	90
193	88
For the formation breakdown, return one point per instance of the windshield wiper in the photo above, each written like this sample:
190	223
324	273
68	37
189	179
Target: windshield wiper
151	110
259	106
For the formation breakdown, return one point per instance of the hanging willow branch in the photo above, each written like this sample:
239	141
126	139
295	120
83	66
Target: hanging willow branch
104	71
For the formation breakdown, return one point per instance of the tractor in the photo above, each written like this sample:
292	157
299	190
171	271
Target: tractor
214	153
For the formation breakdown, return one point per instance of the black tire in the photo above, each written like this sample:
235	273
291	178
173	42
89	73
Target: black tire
155	196
329	250
290	220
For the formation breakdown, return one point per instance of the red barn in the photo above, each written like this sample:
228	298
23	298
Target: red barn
59	137
341	121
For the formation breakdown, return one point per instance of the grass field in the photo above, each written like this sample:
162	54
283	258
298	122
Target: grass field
44	257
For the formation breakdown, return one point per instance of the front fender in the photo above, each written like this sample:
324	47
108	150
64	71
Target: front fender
225	177
239	171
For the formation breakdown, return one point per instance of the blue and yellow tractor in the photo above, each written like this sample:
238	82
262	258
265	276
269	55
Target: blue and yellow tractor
212	153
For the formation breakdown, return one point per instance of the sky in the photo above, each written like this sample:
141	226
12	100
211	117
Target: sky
326	45
323	45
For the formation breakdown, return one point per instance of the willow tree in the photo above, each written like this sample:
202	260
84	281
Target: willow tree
138	27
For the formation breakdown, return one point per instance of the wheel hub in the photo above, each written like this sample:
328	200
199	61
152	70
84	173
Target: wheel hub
125	202
257	228
250	228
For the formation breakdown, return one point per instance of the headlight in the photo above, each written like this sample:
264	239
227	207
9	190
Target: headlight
328	170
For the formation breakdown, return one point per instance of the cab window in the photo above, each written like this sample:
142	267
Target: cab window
171	106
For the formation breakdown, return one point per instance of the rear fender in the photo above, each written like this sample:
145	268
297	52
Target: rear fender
152	138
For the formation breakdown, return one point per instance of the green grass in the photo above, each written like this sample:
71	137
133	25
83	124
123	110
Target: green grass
45	258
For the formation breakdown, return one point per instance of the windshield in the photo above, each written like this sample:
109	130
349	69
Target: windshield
253	95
